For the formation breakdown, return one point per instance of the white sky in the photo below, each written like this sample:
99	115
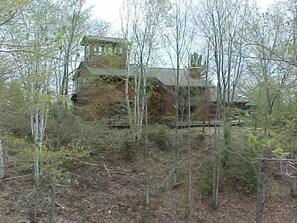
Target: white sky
109	10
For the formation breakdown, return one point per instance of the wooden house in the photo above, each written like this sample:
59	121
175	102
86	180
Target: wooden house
100	83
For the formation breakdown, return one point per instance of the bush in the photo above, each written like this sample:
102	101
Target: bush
128	151
237	166
205	185
249	179
242	178
181	177
160	137
198	139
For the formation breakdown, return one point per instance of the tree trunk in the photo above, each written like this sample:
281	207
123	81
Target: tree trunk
216	162
262	178
216	176
130	119
189	208
146	156
53	200
1	162
294	180
38	123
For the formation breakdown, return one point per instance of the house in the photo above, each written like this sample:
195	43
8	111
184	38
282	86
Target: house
101	84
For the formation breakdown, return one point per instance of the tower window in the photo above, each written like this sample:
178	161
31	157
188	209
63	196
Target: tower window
97	50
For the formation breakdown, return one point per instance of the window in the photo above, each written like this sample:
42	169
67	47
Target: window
87	52
97	50
120	50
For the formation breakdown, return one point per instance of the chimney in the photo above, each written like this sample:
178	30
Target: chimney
195	72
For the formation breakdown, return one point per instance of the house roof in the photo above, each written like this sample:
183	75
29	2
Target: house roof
106	71
237	98
92	38
166	76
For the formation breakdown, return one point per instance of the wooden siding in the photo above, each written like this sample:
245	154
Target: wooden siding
107	61
106	101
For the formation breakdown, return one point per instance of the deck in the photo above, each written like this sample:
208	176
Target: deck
186	124
183	124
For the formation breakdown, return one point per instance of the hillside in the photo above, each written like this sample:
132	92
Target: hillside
107	187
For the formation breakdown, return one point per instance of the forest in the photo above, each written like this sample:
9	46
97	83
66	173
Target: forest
59	165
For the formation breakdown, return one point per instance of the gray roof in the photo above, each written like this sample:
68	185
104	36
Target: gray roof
106	71
166	76
92	38
237	98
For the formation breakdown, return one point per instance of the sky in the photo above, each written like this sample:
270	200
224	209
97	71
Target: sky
108	10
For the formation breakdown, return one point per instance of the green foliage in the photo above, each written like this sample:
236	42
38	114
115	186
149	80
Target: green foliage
252	140
181	174
3	196
274	141
198	139
54	162
206	183
238	168
159	136
128	151
11	5
294	195
242	176
11	218
21	152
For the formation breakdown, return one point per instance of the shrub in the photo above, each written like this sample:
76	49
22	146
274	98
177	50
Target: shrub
160	137
181	174
198	139
237	165
205	185
241	178
128	151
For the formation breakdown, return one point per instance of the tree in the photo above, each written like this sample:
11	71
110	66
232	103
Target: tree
221	25
271	77
177	41
8	11
142	28
1	162
71	25
37	48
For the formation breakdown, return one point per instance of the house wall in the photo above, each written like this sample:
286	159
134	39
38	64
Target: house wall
204	109
108	61
97	103
161	103
108	101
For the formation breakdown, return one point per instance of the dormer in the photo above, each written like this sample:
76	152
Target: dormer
106	52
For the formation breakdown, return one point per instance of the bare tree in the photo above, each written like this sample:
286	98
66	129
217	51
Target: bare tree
221	24
141	26
1	161
177	40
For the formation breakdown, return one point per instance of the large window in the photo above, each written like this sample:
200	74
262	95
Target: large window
97	50
120	50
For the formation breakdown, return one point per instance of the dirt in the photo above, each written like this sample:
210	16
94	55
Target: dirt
111	189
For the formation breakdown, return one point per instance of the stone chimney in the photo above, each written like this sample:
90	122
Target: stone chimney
195	72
